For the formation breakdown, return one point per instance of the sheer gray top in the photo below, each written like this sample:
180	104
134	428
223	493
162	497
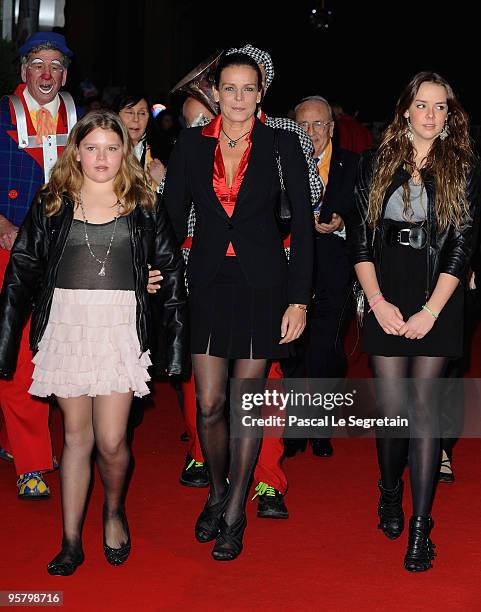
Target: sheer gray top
79	270
418	202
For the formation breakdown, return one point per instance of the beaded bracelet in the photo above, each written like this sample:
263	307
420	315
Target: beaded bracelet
375	303
431	312
374	295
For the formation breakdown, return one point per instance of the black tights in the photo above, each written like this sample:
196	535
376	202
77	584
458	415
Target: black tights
99	422
211	377
422	452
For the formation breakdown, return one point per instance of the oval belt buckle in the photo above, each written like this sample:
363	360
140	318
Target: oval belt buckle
417	237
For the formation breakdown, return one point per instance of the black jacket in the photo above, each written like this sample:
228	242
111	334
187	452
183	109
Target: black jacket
449	250
30	277
339	195
252	229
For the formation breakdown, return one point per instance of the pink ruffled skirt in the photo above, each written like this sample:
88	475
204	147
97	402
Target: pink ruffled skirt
90	346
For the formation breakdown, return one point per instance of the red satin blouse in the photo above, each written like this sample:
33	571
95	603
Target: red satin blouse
226	195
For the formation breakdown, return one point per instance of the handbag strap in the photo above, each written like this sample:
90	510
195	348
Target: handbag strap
278	159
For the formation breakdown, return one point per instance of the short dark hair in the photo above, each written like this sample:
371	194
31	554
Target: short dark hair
129	98
237	59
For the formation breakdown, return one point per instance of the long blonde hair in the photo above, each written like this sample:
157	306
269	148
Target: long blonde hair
448	160
130	184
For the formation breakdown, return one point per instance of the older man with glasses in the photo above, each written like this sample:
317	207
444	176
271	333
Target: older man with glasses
332	272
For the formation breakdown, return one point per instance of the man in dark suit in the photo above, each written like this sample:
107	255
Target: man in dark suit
337	168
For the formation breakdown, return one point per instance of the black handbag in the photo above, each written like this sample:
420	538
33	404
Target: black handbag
283	210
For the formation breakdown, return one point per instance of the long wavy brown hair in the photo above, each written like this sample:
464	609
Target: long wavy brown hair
448	160
130	185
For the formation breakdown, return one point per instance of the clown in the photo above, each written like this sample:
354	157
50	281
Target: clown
34	126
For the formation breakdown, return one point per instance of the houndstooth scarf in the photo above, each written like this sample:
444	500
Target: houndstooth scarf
259	56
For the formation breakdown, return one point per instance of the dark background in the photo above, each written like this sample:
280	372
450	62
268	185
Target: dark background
364	58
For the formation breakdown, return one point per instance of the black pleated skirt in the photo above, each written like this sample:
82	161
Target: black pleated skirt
403	283
231	319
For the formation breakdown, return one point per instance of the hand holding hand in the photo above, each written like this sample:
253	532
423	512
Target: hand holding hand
389	317
417	326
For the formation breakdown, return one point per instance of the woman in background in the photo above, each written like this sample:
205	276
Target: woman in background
134	110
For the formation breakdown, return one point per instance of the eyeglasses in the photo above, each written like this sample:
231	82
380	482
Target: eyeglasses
316	125
39	67
139	114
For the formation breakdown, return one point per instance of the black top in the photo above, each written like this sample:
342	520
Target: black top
79	270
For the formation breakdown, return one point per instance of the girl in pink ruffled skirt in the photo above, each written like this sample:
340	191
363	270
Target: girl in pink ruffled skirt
81	260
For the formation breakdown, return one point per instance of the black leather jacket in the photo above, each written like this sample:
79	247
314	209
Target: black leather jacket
31	273
449	250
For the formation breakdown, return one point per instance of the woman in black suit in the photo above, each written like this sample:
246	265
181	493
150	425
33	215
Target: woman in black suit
246	303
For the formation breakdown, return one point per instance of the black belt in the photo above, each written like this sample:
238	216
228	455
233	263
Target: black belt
415	237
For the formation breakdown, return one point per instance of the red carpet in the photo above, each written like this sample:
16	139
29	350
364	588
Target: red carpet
328	555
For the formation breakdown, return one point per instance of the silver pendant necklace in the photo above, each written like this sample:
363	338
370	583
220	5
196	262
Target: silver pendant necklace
101	262
231	142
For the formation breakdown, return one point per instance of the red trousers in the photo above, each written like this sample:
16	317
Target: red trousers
26	434
268	468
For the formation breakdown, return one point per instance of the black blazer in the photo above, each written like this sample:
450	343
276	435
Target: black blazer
339	196
252	229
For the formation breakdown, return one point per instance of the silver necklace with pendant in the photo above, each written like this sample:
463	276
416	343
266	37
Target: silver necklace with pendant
101	262
231	141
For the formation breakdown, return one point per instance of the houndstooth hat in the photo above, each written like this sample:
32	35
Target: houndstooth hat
259	56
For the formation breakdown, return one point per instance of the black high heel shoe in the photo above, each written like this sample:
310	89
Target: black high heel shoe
390	510
420	550
117	556
228	545
207	525
67	561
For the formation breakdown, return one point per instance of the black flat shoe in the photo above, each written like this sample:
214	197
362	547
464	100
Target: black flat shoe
420	550
228	545
390	510
117	556
293	446
66	562
322	447
207	525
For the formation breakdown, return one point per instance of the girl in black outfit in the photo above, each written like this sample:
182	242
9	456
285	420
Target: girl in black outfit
246	303
411	239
